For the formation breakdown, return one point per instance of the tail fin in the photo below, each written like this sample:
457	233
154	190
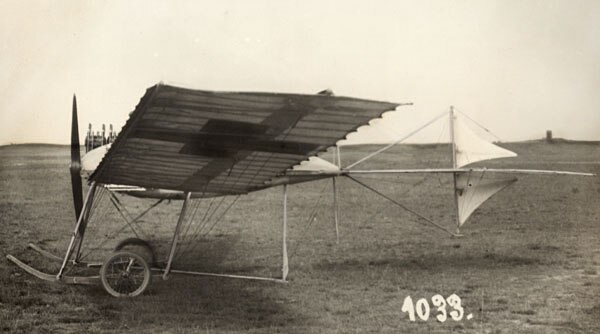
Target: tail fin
472	190
471	148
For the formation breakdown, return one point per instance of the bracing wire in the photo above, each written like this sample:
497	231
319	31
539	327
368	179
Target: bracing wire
220	217
309	221
98	195
194	244
91	213
400	205
415	185
397	141
108	236
190	222
438	162
208	214
212	200
384	206
129	219
124	214
199	226
481	126
126	219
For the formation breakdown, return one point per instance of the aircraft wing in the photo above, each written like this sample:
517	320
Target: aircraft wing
220	143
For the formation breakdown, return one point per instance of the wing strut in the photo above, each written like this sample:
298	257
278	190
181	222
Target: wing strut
284	266
176	234
81	231
335	210
86	204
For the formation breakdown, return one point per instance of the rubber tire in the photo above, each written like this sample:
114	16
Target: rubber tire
147	274
138	246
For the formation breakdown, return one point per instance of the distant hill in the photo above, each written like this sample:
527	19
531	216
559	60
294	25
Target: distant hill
424	145
560	141
36	145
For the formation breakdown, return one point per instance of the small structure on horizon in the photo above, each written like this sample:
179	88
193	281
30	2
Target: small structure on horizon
94	140
549	136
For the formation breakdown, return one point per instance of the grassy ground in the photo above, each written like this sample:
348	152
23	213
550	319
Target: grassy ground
528	262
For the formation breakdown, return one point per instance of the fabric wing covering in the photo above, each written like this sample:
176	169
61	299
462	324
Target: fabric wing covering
221	143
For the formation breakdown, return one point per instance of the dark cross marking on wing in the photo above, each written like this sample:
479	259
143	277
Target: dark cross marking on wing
229	142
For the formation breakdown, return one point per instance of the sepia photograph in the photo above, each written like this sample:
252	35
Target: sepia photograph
300	166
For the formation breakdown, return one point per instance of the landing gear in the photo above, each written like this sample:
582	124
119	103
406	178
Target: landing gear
125	274
138	246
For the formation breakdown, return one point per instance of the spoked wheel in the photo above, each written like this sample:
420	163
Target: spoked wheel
125	274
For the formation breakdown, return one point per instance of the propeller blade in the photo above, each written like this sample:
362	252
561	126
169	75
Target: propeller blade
76	163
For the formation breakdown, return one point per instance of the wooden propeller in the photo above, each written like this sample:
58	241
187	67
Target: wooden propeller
76	163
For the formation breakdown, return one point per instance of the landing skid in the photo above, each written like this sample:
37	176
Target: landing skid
126	273
83	280
58	259
96	280
45	253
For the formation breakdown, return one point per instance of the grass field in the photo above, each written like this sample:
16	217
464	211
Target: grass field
528	261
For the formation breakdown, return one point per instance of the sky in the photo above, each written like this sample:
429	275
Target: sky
518	67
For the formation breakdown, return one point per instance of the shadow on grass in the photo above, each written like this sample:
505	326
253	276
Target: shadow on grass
180	304
200	303
438	262
196	302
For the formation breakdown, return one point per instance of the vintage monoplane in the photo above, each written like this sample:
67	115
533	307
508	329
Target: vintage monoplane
180	144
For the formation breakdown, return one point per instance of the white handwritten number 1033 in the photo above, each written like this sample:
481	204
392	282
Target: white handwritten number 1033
422	308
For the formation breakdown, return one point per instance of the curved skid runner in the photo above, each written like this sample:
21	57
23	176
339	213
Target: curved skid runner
45	253
90	280
58	259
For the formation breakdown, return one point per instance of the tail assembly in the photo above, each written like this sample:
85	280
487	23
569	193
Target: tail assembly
471	189
472	185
